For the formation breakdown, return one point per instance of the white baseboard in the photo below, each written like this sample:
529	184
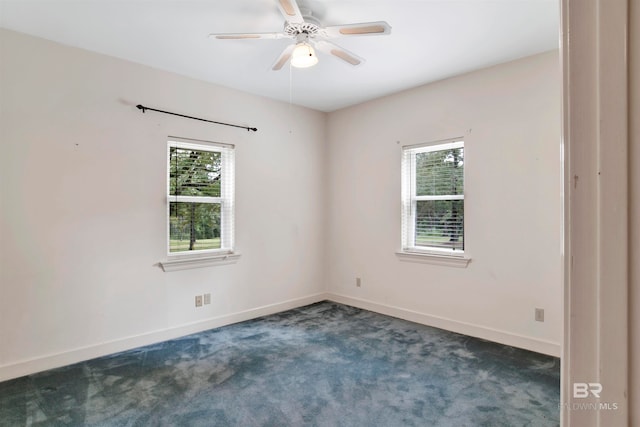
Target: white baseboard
31	366
502	337
43	363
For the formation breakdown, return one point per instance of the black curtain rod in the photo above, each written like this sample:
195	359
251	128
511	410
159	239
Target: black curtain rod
144	109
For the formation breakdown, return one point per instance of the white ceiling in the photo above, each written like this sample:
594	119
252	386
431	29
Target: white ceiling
430	40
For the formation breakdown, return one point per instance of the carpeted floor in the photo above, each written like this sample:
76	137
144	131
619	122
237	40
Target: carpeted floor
321	365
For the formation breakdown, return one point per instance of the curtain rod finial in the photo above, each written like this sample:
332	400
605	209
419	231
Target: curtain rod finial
141	107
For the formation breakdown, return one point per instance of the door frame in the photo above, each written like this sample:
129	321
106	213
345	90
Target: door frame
594	52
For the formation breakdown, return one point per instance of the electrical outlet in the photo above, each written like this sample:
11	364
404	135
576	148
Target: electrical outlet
358	282
198	300
539	314
207	299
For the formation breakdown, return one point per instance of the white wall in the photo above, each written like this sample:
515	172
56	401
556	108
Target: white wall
83	219
509	116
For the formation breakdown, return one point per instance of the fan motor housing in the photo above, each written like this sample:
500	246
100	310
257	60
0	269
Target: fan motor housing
310	26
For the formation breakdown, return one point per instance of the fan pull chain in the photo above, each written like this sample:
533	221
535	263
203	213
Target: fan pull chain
290	96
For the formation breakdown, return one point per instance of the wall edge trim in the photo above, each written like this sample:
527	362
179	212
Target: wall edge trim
502	337
38	364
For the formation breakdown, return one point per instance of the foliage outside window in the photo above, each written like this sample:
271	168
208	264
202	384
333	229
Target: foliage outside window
433	198
200	197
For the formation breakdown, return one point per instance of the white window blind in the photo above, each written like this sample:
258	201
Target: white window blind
433	197
200	197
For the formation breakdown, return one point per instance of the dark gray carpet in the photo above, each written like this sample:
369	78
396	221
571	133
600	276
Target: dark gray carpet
322	365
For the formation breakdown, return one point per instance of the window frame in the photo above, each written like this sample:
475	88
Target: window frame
225	200
409	199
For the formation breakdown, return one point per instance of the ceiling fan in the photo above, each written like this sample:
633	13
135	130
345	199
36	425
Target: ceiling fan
308	34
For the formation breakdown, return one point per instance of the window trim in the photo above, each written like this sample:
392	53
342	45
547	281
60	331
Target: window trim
429	254
193	261
204	257
432	258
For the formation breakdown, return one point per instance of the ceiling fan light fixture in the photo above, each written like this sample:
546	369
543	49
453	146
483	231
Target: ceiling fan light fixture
303	56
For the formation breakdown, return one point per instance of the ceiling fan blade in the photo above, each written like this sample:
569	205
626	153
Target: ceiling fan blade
290	11
378	28
339	52
244	36
283	58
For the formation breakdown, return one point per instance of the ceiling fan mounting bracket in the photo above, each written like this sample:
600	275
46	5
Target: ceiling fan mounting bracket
309	28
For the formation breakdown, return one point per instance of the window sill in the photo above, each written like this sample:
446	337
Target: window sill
198	262
436	259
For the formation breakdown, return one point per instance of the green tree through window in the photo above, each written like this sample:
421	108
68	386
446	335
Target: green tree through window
196	197
433	196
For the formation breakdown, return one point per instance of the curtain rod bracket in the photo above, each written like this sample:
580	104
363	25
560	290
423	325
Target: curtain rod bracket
144	110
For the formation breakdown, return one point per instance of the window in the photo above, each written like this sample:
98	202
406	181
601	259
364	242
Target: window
433	198
200	200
